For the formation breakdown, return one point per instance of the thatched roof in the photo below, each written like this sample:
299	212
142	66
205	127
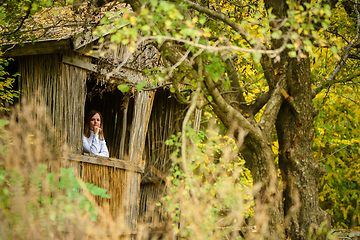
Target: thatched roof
60	27
72	30
61	22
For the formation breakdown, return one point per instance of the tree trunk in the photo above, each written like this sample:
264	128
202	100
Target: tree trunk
260	159
300	172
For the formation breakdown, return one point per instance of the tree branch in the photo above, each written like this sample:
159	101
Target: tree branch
327	83
190	112
228	111
221	17
331	79
272	108
357	22
234	79
21	23
259	103
268	68
215	48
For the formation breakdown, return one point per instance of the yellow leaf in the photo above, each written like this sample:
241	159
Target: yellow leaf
132	20
132	49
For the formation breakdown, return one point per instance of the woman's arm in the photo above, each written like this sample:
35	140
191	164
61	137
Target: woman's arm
104	152
97	147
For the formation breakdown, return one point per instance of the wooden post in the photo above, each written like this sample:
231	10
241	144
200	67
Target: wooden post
124	127
139	126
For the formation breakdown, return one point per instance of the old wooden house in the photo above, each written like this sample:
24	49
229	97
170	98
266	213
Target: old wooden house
69	78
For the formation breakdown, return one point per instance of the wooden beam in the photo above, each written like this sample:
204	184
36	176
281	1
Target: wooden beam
110	162
79	63
124	73
40	47
131	197
142	110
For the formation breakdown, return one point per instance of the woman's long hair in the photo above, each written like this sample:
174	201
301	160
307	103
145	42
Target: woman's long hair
87	124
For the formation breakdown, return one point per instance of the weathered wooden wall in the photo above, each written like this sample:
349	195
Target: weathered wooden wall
107	173
62	88
110	178
139	127
166	120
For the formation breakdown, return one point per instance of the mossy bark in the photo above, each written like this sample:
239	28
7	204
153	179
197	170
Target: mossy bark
300	171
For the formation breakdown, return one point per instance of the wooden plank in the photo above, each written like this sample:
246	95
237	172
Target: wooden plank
40	47
124	73
110	162
142	110
79	63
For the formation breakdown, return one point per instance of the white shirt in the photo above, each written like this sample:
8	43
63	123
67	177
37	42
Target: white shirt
95	146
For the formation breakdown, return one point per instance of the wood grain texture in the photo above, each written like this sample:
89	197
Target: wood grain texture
109	162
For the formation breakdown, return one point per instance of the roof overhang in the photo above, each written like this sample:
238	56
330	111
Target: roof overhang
38	47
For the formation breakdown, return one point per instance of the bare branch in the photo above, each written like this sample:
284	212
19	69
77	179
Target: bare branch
354	56
357	22
347	98
21	23
189	113
291	101
221	17
335	32
215	48
240	6
327	83
331	79
260	103
334	153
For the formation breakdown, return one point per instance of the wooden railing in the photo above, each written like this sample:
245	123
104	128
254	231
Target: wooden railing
104	161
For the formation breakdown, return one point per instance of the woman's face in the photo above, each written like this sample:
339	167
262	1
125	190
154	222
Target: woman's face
95	121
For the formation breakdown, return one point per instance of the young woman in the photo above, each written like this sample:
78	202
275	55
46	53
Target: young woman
93	138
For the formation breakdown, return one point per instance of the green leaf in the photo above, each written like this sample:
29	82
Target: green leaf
139	87
327	10
292	54
334	49
48	3
294	35
123	88
145	28
202	20
257	57
276	34
115	38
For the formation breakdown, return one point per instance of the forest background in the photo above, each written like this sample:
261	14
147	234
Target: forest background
254	58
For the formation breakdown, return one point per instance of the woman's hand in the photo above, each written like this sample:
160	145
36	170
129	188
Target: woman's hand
97	130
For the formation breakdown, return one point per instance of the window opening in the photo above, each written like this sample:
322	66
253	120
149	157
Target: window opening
112	104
